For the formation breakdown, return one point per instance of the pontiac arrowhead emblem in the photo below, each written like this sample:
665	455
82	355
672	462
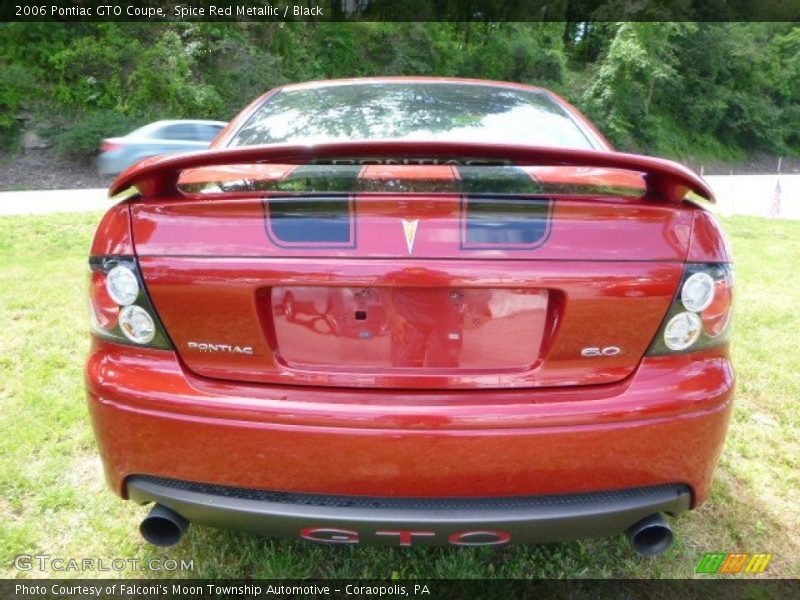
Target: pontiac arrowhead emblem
410	229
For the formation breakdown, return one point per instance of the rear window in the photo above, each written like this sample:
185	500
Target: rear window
184	132
207	133
412	111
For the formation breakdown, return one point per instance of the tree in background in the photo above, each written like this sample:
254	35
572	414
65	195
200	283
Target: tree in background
637	67
678	89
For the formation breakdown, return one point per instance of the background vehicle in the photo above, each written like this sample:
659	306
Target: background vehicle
489	327
160	137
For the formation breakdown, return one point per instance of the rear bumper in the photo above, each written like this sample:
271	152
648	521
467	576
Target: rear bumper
406	522
664	425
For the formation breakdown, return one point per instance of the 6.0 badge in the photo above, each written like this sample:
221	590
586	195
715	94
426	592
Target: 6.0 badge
597	351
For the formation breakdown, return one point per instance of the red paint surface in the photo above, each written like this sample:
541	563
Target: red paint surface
664	424
709	243
216	257
113	235
600	229
510	407
231	303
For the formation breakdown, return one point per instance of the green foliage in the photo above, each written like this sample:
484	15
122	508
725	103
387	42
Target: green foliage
527	52
15	85
242	72
164	80
54	496
83	139
89	70
716	90
622	92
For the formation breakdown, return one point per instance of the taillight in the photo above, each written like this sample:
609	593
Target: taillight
700	315
120	308
717	316
110	146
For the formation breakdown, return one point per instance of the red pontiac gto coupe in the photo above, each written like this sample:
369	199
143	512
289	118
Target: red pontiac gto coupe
411	311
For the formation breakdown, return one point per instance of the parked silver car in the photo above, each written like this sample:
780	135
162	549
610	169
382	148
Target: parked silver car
160	137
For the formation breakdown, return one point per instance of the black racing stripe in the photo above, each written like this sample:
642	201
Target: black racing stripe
505	222
501	208
303	221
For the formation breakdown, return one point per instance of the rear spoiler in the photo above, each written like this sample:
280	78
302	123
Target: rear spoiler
665	180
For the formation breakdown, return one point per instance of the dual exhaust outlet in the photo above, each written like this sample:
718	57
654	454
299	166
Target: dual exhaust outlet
651	536
165	527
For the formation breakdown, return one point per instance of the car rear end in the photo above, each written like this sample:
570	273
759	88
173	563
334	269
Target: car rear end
411	342
160	137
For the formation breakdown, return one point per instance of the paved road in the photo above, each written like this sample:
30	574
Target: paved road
755	195
52	201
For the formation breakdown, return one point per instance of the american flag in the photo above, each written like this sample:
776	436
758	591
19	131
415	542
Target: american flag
775	209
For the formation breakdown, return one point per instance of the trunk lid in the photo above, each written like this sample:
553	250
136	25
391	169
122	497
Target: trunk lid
411	276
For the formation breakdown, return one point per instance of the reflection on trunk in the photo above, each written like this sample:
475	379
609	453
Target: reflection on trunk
403	326
426	326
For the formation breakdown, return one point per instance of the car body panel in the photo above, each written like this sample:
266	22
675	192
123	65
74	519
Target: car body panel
351	319
577	229
665	424
232	304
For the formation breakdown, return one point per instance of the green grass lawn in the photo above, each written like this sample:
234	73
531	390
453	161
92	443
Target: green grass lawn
53	499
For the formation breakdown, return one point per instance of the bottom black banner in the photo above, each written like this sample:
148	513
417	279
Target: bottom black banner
242	589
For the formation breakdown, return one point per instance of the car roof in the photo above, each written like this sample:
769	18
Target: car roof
165	122
156	125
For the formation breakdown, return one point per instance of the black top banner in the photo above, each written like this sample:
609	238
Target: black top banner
400	10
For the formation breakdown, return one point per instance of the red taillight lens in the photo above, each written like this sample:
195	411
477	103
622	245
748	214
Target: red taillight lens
718	313
110	146
105	311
